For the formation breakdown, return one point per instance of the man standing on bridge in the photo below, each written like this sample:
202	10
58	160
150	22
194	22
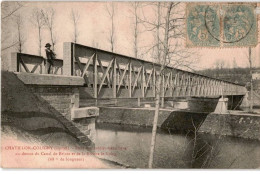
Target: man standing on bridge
50	56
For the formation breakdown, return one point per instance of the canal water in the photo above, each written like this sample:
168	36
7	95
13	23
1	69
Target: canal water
130	146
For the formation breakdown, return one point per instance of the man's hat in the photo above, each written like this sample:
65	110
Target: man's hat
48	45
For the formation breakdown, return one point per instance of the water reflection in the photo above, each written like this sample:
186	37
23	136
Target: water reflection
176	150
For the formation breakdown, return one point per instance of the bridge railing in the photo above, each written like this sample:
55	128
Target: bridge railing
124	76
111	75
21	62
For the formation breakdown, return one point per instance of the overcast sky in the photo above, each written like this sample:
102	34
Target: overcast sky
94	31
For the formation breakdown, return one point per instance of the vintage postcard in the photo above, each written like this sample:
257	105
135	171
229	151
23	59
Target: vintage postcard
130	85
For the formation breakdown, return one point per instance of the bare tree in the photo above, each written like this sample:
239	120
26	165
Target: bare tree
178	56
251	69
38	21
218	66
9	9
75	16
49	17
251	80
20	35
135	5
169	49
159	82
158	50
110	8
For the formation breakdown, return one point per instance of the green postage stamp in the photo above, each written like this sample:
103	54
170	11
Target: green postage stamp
221	25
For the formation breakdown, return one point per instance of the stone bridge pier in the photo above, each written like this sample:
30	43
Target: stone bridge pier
61	95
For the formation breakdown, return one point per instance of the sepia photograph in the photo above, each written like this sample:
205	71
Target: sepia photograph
130	85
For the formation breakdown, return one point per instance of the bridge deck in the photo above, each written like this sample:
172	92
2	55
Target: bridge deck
115	75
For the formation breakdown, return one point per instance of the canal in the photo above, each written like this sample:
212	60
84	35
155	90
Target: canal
129	145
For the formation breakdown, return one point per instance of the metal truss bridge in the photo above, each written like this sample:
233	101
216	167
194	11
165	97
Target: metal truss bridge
111	75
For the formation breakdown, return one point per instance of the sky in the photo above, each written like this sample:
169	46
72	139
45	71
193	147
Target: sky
94	28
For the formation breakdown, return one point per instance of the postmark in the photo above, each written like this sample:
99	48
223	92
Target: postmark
221	25
203	27
239	26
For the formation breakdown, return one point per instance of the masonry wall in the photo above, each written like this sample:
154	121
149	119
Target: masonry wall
60	94
87	127
40	110
168	119
238	125
62	99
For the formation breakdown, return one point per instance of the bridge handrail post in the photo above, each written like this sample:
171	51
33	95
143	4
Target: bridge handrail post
14	62
68	59
138	102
